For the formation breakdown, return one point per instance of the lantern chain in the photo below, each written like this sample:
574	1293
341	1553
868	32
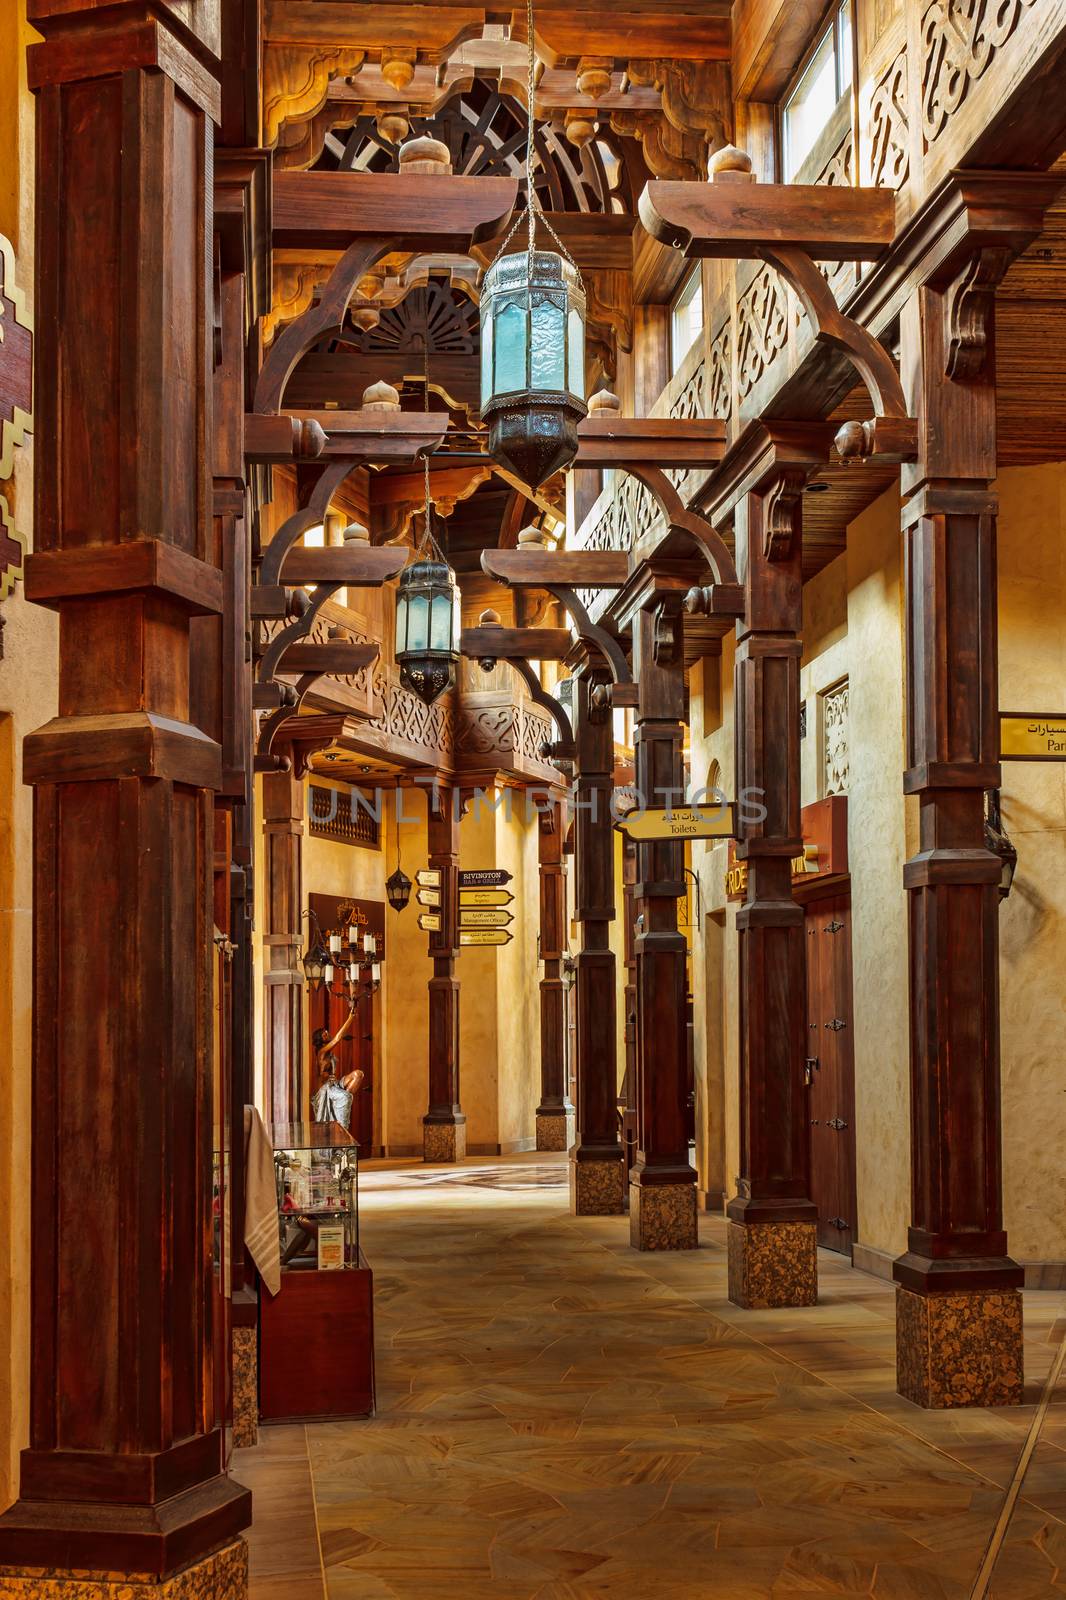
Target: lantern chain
533	207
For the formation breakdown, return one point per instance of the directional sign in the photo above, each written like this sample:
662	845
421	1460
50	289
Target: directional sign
428	877
429	921
484	936
429	897
484	919
485	897
495	878
680	822
1031	736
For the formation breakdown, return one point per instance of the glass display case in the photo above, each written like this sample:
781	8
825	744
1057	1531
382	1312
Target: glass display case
316	1168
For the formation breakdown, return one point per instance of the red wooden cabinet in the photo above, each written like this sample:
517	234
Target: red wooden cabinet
316	1357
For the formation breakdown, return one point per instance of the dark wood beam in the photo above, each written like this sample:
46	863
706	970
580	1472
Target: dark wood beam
577	569
330	210
382	436
360	566
613	441
334	655
736	221
502	644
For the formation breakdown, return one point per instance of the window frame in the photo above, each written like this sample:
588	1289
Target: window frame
694	277
829	25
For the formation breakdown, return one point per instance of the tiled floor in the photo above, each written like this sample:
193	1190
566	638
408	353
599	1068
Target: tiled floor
561	1418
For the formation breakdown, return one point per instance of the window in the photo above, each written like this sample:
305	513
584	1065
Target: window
816	93
686	319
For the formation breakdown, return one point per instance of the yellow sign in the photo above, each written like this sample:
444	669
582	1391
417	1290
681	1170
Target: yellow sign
736	877
484	919
485	897
1031	737
429	897
484	936
428	877
429	921
679	822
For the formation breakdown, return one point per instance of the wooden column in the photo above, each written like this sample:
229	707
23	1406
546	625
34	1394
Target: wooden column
662	1194
772	1224
284	936
959	1310
444	1125
597	1185
555	1114
123	1474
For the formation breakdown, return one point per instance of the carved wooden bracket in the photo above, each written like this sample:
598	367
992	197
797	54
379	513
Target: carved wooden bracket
969	307
696	96
668	632
779	514
688	523
296	80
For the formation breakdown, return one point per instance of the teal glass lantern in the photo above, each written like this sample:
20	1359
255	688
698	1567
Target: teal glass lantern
533	362
427	628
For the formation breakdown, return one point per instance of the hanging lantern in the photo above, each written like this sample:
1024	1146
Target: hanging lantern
427	628
533	336
316	963
398	889
533	362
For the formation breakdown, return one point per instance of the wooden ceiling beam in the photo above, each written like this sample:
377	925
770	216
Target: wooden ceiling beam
612	441
738	221
380	436
575	569
525	644
331	210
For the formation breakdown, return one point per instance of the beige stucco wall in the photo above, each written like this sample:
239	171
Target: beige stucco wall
27	699
1032	659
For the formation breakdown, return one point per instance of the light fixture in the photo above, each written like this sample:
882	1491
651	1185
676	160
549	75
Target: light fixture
999	842
427	618
316	959
533	340
398	887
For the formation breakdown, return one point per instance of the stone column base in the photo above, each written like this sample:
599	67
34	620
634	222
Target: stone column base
962	1349
662	1216
597	1188
555	1130
442	1141
244	1368
221	1576
772	1264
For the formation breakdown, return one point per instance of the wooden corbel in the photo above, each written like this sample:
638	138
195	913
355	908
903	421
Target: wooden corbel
779	513
369	216
791	227
968	312
561	573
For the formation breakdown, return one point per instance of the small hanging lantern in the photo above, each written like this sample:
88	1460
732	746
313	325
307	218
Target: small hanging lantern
533	341
427	628
398	889
316	960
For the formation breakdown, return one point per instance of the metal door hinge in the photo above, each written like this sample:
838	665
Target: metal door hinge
836	1024
836	1122
838	1222
834	926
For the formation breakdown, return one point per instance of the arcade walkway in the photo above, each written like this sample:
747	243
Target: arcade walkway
560	1418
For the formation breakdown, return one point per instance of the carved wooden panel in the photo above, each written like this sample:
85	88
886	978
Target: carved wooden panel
762	327
720	373
889	128
960	39
836	751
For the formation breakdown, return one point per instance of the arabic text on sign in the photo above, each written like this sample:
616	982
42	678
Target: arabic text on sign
429	922
470	936
485	897
429	897
428	877
484	919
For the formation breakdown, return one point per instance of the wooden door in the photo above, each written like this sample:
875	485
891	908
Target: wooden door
830	1070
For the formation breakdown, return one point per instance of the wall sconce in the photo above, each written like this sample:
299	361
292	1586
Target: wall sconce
999	842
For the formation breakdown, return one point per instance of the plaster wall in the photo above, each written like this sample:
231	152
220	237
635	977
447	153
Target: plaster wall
1032	674
27	700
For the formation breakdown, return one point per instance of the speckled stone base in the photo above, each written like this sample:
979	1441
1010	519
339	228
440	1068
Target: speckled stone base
245	1379
597	1188
555	1130
663	1216
443	1141
772	1264
959	1349
222	1576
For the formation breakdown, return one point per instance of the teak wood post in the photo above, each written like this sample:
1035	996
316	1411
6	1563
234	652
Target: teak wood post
283	938
958	1307
124	1474
772	1224
444	1125
662	1193
597	1170
555	1114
